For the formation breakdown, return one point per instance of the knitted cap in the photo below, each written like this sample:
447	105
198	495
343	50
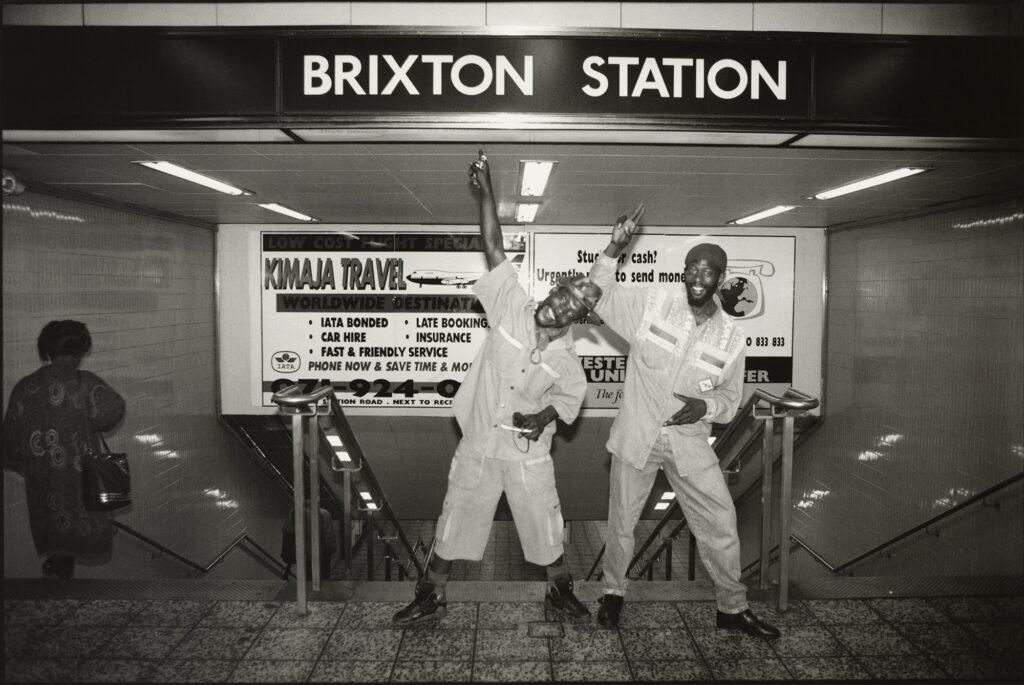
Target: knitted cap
712	253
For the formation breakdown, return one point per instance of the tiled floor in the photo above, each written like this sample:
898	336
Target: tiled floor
252	631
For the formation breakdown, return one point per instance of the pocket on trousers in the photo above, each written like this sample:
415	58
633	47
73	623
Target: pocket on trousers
538	477
466	471
555	526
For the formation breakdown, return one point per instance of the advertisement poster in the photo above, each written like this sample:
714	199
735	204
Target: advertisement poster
757	292
389	319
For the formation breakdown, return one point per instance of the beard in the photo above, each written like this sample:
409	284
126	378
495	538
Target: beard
699	301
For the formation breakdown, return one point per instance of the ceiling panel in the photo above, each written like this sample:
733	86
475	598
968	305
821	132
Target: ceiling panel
394	182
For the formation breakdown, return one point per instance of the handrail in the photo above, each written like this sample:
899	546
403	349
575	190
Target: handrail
791	399
932	521
350	441
288	397
219	558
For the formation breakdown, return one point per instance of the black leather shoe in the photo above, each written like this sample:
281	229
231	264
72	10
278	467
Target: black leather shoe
426	607
560	598
748	623
611	607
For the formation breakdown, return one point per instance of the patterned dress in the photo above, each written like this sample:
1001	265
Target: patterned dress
45	434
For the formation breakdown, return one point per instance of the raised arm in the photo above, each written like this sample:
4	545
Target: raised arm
490	228
625	228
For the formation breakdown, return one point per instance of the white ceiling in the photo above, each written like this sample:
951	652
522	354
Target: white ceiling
406	177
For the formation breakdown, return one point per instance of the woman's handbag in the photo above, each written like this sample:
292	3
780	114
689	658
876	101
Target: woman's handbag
106	480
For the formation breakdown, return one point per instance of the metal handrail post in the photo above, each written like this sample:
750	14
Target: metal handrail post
785	508
691	558
346	521
314	499
298	508
766	497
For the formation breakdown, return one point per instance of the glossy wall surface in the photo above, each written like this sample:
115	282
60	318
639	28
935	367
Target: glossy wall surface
924	399
145	289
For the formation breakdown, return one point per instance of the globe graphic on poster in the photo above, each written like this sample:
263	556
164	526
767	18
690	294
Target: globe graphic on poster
739	296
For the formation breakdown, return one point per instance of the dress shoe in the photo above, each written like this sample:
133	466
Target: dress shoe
611	607
748	623
561	599
427	606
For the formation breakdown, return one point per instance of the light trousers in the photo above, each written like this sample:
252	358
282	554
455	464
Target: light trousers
710	515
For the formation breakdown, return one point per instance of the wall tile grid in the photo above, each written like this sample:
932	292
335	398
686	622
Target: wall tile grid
913	18
924	396
145	289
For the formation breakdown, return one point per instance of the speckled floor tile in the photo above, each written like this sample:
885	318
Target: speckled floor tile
825	668
510	644
362	644
113	670
318	615
796	613
1013	606
460	616
142	642
371	614
770	668
876	640
106	612
270	671
650	615
59	670
842	611
171	612
508	614
216	643
192	670
671	671
904	667
21	640
352	671
591	671
235	614
730	644
71	641
934	638
39	611
977	667
511	671
300	644
587	644
909	610
969	608
436	645
804	641
651	644
432	672
695	614
1006	637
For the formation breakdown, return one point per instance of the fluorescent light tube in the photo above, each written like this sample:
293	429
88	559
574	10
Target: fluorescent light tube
533	177
526	212
365	495
195	177
281	209
668	494
888	176
778	209
660	506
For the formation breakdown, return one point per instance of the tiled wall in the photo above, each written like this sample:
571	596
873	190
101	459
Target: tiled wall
924	399
145	289
872	18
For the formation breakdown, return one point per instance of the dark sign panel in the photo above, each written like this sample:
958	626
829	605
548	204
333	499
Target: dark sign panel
59	77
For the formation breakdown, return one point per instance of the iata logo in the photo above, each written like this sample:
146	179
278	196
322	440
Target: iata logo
285	362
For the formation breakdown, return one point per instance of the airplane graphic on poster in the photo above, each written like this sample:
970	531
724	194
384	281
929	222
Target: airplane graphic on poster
459	279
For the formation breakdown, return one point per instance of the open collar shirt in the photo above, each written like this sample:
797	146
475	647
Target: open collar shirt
669	352
509	374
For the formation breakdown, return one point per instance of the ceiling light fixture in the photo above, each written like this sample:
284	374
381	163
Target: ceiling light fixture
526	212
778	209
533	177
894	175
195	177
281	209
